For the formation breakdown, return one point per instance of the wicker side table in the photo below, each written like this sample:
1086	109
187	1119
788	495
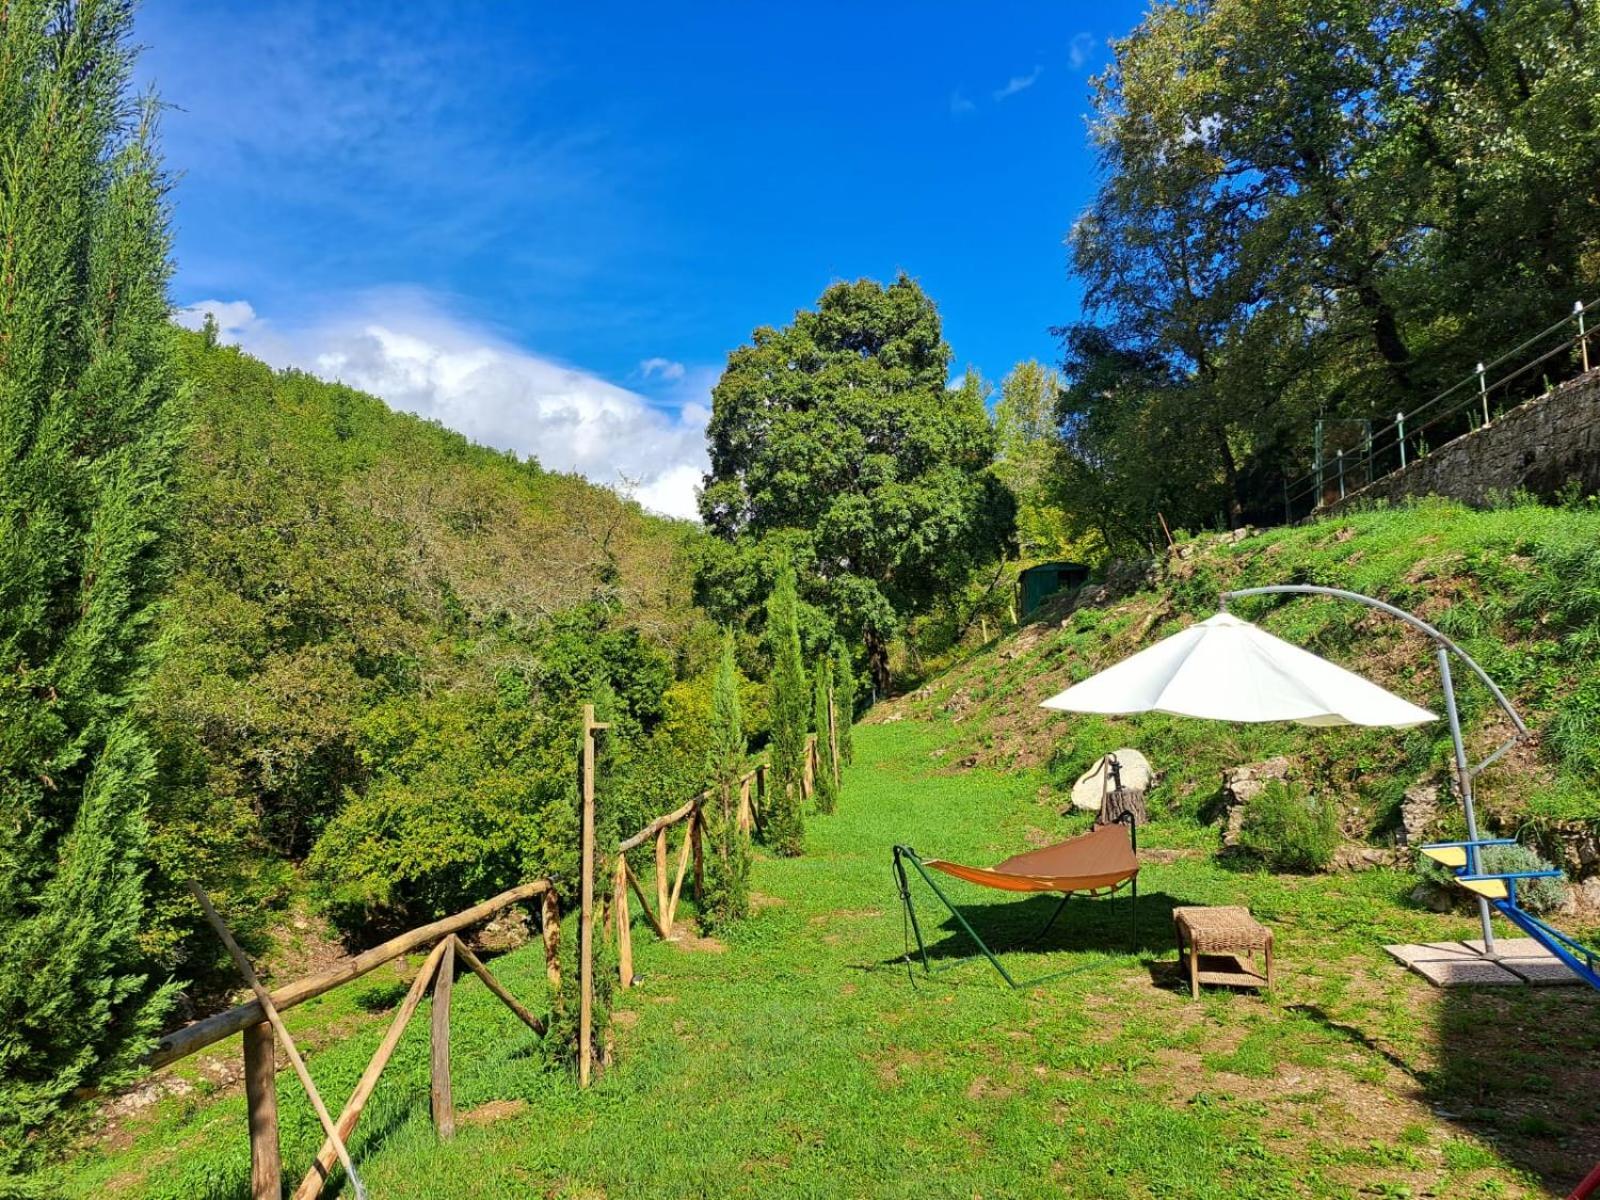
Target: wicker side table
1219	945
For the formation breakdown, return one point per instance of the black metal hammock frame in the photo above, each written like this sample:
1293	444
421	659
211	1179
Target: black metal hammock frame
905	854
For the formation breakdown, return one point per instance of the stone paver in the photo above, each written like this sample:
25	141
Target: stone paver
1463	971
1432	952
1519	961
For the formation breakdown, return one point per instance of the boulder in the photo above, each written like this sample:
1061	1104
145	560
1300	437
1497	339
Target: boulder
1134	772
510	929
1583	899
1353	856
1434	896
1574	845
1124	576
1244	783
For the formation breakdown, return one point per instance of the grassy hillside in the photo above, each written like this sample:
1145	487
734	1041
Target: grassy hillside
377	639
1518	588
798	1059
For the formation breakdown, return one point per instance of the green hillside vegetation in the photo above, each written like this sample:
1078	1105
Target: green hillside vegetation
260	631
376	648
1518	588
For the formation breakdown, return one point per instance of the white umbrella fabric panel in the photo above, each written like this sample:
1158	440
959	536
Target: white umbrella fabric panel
1225	669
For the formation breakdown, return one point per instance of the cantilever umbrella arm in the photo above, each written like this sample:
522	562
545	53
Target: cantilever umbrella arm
1411	619
1444	647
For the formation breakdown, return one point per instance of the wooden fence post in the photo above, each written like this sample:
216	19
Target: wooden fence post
261	1098
746	818
619	905
550	931
444	1109
696	820
586	910
661	878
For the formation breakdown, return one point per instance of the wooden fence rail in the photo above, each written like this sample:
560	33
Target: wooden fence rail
668	881
181	1043
263	1031
260	1022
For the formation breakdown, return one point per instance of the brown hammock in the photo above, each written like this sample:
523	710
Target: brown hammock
1097	862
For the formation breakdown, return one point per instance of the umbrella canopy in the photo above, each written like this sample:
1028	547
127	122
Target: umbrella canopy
1226	669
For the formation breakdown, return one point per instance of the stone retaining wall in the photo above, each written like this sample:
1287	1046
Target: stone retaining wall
1539	447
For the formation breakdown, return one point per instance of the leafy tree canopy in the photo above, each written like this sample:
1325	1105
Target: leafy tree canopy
837	438
1318	209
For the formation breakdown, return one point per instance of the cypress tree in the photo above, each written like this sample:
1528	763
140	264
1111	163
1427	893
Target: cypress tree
790	707
844	699
87	392
726	897
821	697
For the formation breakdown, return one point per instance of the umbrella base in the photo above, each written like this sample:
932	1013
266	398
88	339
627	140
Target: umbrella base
1520	962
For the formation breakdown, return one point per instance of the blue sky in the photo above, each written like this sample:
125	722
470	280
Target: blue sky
548	224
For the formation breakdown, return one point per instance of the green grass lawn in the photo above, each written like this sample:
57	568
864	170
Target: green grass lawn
800	1060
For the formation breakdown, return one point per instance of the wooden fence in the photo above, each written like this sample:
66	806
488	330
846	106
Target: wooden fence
259	1021
752	795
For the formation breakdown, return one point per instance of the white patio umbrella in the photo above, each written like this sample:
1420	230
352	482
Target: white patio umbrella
1225	669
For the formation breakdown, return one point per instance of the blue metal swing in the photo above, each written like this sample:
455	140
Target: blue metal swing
1499	888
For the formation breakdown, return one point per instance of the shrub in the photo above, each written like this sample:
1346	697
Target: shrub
456	811
726	897
827	789
791	713
1289	829
844	700
1534	895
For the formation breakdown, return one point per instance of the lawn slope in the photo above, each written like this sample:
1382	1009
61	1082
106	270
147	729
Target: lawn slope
800	1059
1518	588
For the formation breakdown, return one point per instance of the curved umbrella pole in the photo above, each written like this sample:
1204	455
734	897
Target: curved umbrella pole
1444	647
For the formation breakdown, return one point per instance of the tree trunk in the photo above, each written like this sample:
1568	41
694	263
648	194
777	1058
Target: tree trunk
877	662
1386	335
1230	479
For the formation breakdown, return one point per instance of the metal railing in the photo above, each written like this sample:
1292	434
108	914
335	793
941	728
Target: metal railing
1469	404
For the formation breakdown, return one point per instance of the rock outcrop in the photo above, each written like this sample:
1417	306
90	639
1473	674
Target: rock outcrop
1244	783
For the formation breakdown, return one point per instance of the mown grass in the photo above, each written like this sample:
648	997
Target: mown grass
804	1060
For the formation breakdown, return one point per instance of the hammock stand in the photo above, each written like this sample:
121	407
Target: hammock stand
1102	863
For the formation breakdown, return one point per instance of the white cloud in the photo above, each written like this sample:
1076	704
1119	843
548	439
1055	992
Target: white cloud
672	491
661	368
403	347
960	106
232	317
1018	83
1079	50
